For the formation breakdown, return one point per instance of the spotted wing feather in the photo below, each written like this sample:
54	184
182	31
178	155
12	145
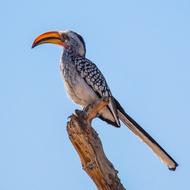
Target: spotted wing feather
95	79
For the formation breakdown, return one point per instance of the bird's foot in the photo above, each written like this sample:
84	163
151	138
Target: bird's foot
76	113
85	109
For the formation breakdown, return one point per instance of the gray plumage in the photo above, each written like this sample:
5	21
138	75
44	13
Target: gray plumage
85	84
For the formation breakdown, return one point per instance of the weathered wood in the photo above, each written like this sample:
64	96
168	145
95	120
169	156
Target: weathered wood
89	147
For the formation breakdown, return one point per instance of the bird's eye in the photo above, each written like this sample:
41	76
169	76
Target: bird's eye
64	37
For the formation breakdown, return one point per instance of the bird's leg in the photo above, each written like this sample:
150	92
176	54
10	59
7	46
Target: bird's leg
85	109
76	112
93	109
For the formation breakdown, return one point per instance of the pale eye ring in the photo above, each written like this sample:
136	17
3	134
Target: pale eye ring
64	37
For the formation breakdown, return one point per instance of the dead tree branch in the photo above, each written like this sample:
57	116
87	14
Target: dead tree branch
89	147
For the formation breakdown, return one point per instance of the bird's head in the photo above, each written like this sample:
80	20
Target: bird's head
68	39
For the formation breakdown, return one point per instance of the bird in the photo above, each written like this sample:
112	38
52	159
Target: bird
85	84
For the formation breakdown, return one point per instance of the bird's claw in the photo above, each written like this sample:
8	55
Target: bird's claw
69	117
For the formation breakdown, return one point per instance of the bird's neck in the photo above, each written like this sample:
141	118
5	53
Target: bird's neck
69	55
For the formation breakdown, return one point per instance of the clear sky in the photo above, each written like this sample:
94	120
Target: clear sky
143	49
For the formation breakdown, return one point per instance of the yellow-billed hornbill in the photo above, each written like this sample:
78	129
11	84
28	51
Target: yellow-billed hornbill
85	84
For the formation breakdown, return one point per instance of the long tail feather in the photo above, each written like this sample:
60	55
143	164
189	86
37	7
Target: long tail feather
146	138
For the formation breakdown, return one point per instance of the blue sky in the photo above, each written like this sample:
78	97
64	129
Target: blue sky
142	47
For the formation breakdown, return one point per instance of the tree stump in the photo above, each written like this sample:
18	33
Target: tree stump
89	148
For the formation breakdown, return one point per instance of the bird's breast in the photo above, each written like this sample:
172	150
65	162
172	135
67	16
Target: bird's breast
77	89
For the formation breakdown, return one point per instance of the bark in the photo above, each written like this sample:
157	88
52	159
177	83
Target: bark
89	148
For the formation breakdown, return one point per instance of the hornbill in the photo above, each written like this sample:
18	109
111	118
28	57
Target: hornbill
85	84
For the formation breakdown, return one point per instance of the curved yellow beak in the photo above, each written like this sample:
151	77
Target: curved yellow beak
53	37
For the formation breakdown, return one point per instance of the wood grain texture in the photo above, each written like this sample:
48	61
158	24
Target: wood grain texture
89	148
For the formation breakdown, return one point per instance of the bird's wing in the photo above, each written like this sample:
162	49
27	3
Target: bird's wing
95	79
145	137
